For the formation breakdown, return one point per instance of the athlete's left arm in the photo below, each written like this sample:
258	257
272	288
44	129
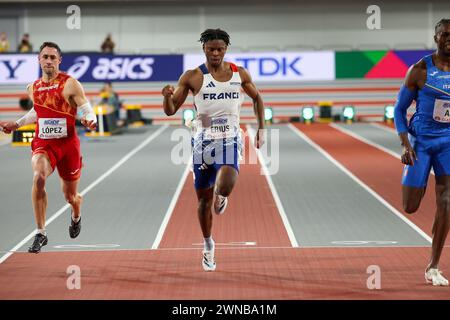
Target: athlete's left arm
258	104
74	93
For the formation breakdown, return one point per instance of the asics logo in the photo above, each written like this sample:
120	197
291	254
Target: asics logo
79	68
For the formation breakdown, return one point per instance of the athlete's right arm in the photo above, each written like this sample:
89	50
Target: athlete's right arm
406	95
174	98
29	117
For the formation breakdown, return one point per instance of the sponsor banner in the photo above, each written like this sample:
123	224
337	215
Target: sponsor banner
18	68
380	64
276	66
100	68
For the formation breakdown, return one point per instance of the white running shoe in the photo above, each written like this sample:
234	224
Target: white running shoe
220	204
208	262
435	277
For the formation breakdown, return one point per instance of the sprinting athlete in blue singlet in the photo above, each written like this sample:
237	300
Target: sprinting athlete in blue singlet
426	140
216	86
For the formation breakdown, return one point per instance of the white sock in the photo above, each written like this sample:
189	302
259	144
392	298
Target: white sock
208	243
42	231
76	219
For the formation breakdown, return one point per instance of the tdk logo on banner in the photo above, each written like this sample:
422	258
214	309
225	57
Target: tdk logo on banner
269	66
114	68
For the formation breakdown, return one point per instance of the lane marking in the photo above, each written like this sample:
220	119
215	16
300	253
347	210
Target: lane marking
369	142
239	248
362	139
87	189
171	207
276	197
382	127
76	246
358	181
363	242
242	243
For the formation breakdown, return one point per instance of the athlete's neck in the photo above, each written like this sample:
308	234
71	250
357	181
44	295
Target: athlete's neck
218	68
443	59
48	77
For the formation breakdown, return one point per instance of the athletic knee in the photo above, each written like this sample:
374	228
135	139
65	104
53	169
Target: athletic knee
444	202
39	179
204	205
224	190
72	198
410	207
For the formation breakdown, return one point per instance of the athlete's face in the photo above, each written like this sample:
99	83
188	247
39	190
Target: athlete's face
49	60
442	39
215	51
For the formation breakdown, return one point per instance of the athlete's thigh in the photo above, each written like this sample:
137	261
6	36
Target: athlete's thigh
206	194
441	158
40	162
227	176
415	177
70	165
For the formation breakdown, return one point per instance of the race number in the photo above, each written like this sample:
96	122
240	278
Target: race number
52	128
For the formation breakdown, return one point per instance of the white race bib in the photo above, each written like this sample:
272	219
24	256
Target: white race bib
441	112
222	127
52	128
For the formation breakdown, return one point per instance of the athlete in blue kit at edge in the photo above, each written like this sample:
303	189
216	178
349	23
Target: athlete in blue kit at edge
216	86
426	141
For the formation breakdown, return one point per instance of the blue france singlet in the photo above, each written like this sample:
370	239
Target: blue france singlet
432	116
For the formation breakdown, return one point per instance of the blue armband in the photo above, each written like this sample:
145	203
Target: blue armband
404	100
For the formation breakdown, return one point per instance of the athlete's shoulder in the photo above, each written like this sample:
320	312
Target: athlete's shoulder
190	75
64	76
193	72
244	74
421	64
233	67
416	75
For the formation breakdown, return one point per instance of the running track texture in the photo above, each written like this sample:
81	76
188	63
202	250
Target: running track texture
309	217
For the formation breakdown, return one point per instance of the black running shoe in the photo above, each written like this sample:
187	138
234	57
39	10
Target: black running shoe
40	240
74	228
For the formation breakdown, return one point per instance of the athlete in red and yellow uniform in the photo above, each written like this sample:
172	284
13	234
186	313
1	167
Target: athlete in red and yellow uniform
57	99
56	136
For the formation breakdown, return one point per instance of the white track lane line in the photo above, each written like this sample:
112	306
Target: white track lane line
241	248
384	128
89	188
360	138
373	144
276	197
358	181
171	207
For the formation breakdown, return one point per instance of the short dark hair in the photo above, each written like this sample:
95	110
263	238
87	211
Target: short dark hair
440	23
51	45
215	34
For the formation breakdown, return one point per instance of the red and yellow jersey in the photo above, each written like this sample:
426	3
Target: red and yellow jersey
55	116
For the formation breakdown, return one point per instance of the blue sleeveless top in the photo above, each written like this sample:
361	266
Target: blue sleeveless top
432	116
